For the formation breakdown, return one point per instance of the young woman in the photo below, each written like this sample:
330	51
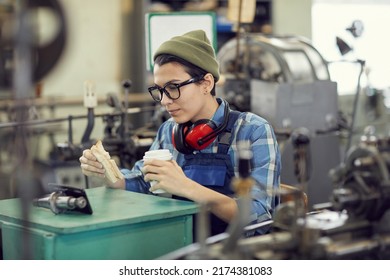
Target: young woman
202	134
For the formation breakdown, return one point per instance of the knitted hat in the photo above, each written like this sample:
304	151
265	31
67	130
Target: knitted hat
193	47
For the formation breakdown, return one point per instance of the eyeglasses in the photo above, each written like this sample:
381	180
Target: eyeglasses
171	90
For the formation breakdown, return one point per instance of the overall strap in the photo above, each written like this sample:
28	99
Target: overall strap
225	138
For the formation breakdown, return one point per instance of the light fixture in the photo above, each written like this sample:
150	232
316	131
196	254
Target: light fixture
356	28
344	48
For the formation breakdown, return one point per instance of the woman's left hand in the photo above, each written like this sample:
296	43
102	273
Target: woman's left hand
168	174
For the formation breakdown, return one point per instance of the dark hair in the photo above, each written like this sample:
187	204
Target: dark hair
191	69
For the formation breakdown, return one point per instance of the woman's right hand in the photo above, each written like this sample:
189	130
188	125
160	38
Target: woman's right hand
90	166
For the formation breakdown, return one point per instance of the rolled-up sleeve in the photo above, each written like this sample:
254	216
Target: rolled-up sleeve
134	179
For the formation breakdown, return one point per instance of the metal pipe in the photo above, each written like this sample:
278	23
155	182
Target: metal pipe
77	117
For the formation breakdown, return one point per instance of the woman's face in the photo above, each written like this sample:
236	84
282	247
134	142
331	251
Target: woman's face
192	104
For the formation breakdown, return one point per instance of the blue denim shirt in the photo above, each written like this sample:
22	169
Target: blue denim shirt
265	167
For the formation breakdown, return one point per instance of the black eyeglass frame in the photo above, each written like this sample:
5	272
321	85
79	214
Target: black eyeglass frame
162	90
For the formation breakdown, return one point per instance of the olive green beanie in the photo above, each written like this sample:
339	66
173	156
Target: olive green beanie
193	47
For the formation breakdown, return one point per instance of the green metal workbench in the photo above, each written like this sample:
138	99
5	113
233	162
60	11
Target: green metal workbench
124	225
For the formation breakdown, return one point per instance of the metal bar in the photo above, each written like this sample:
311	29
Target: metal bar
38	122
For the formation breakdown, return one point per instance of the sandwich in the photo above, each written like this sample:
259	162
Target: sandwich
112	171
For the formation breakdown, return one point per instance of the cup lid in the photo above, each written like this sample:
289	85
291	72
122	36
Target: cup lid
162	153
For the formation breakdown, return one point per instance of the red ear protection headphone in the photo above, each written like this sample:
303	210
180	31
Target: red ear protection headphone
188	137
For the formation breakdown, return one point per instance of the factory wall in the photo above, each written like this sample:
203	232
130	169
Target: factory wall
105	45
292	17
93	49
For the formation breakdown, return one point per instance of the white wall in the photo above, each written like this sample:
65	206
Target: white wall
93	49
371	47
292	17
93	52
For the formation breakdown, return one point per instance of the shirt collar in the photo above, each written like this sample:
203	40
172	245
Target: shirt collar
218	116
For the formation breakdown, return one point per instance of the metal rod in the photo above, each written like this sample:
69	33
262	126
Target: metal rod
238	39
355	107
38	122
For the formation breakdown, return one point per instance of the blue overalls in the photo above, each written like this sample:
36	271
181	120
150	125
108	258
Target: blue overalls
214	170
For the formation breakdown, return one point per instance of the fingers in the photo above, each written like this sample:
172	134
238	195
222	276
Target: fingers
149	177
86	172
91	169
88	155
151	168
157	171
158	163
89	159
90	166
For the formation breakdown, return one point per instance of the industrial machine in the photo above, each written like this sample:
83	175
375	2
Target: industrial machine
353	225
286	80
24	62
270	59
124	143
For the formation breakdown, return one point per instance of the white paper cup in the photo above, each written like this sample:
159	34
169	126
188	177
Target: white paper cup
162	154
